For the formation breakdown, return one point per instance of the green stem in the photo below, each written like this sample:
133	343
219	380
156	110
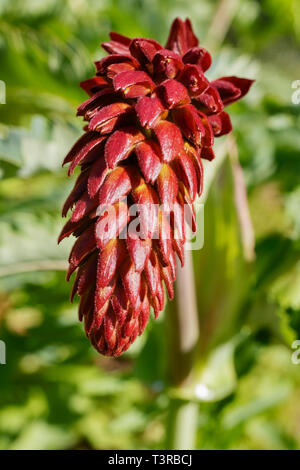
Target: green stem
183	334
182	425
241	202
220	23
38	265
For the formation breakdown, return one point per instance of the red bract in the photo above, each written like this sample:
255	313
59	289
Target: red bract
151	118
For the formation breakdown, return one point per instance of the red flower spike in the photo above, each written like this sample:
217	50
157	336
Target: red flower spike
111	223
102	295
97	174
181	37
110	259
103	64
92	85
232	89
148	155
120	304
208	136
189	121
209	102
151	118
169	138
131	281
83	246
152	273
83	207
147	201
79	188
198	56
166	64
186	172
144	49
89	107
193	78
220	123
167	186
107	115
149	110
173	93
116	186
87	275
139	250
133	84
118	45
115	69
120	144
207	153
68	229
82	149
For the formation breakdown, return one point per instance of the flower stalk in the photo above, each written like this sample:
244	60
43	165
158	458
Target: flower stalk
183	333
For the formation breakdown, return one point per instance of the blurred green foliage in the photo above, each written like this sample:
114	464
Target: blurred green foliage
55	391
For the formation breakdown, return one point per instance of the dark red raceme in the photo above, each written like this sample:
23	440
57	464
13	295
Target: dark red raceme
151	118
